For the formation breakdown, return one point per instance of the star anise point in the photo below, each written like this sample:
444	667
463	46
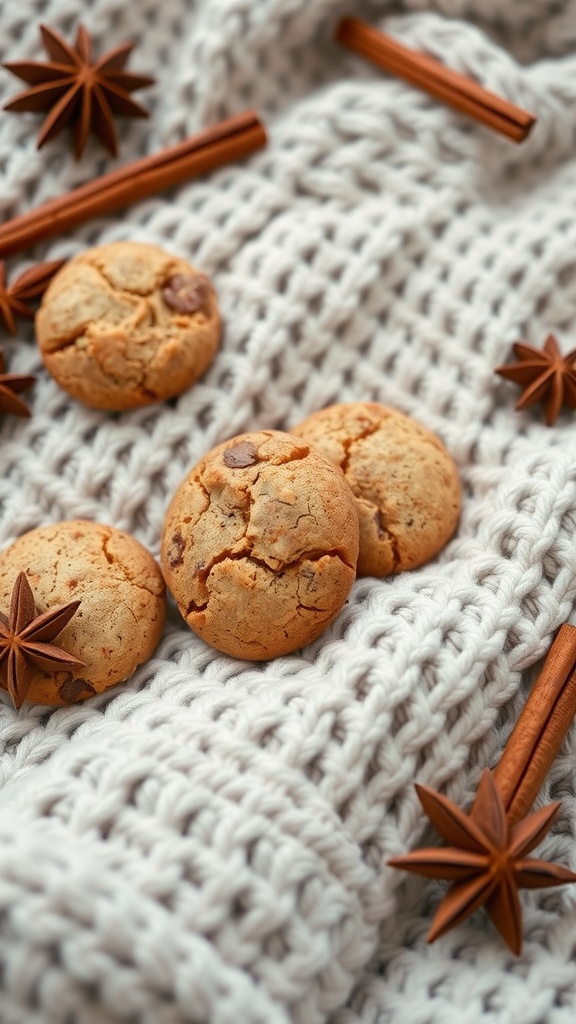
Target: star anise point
26	641
486	860
545	375
72	88
11	384
31	284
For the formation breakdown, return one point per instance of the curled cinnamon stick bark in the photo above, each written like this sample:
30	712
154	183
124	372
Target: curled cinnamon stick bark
487	854
426	73
230	140
540	729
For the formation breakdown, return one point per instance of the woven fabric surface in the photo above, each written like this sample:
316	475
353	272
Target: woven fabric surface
207	843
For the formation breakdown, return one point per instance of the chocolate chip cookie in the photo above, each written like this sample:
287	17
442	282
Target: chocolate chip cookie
126	324
406	484
120	614
260	545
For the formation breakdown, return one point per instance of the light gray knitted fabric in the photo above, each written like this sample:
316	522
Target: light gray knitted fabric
207	843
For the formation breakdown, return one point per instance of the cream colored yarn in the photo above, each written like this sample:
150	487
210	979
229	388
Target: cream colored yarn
207	843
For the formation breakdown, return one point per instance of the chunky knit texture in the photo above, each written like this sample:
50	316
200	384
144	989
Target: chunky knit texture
207	843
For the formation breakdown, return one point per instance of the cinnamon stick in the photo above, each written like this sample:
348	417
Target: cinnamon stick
450	87
540	729
229	140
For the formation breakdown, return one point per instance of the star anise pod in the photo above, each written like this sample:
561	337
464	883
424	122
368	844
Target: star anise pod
29	285
10	386
546	376
486	859
25	641
77	90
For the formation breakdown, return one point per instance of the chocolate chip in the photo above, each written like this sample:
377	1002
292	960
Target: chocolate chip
175	555
240	455
73	688
186	293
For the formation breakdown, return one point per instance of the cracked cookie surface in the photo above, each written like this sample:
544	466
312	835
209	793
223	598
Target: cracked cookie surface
260	545
406	484
122	594
126	324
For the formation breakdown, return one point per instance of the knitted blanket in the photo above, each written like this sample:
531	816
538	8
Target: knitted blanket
207	843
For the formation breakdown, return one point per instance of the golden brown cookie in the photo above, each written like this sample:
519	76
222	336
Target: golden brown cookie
406	485
260	545
126	324
122	603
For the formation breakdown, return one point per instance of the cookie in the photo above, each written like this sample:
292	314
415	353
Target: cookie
126	324
260	544
407	488
122	603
